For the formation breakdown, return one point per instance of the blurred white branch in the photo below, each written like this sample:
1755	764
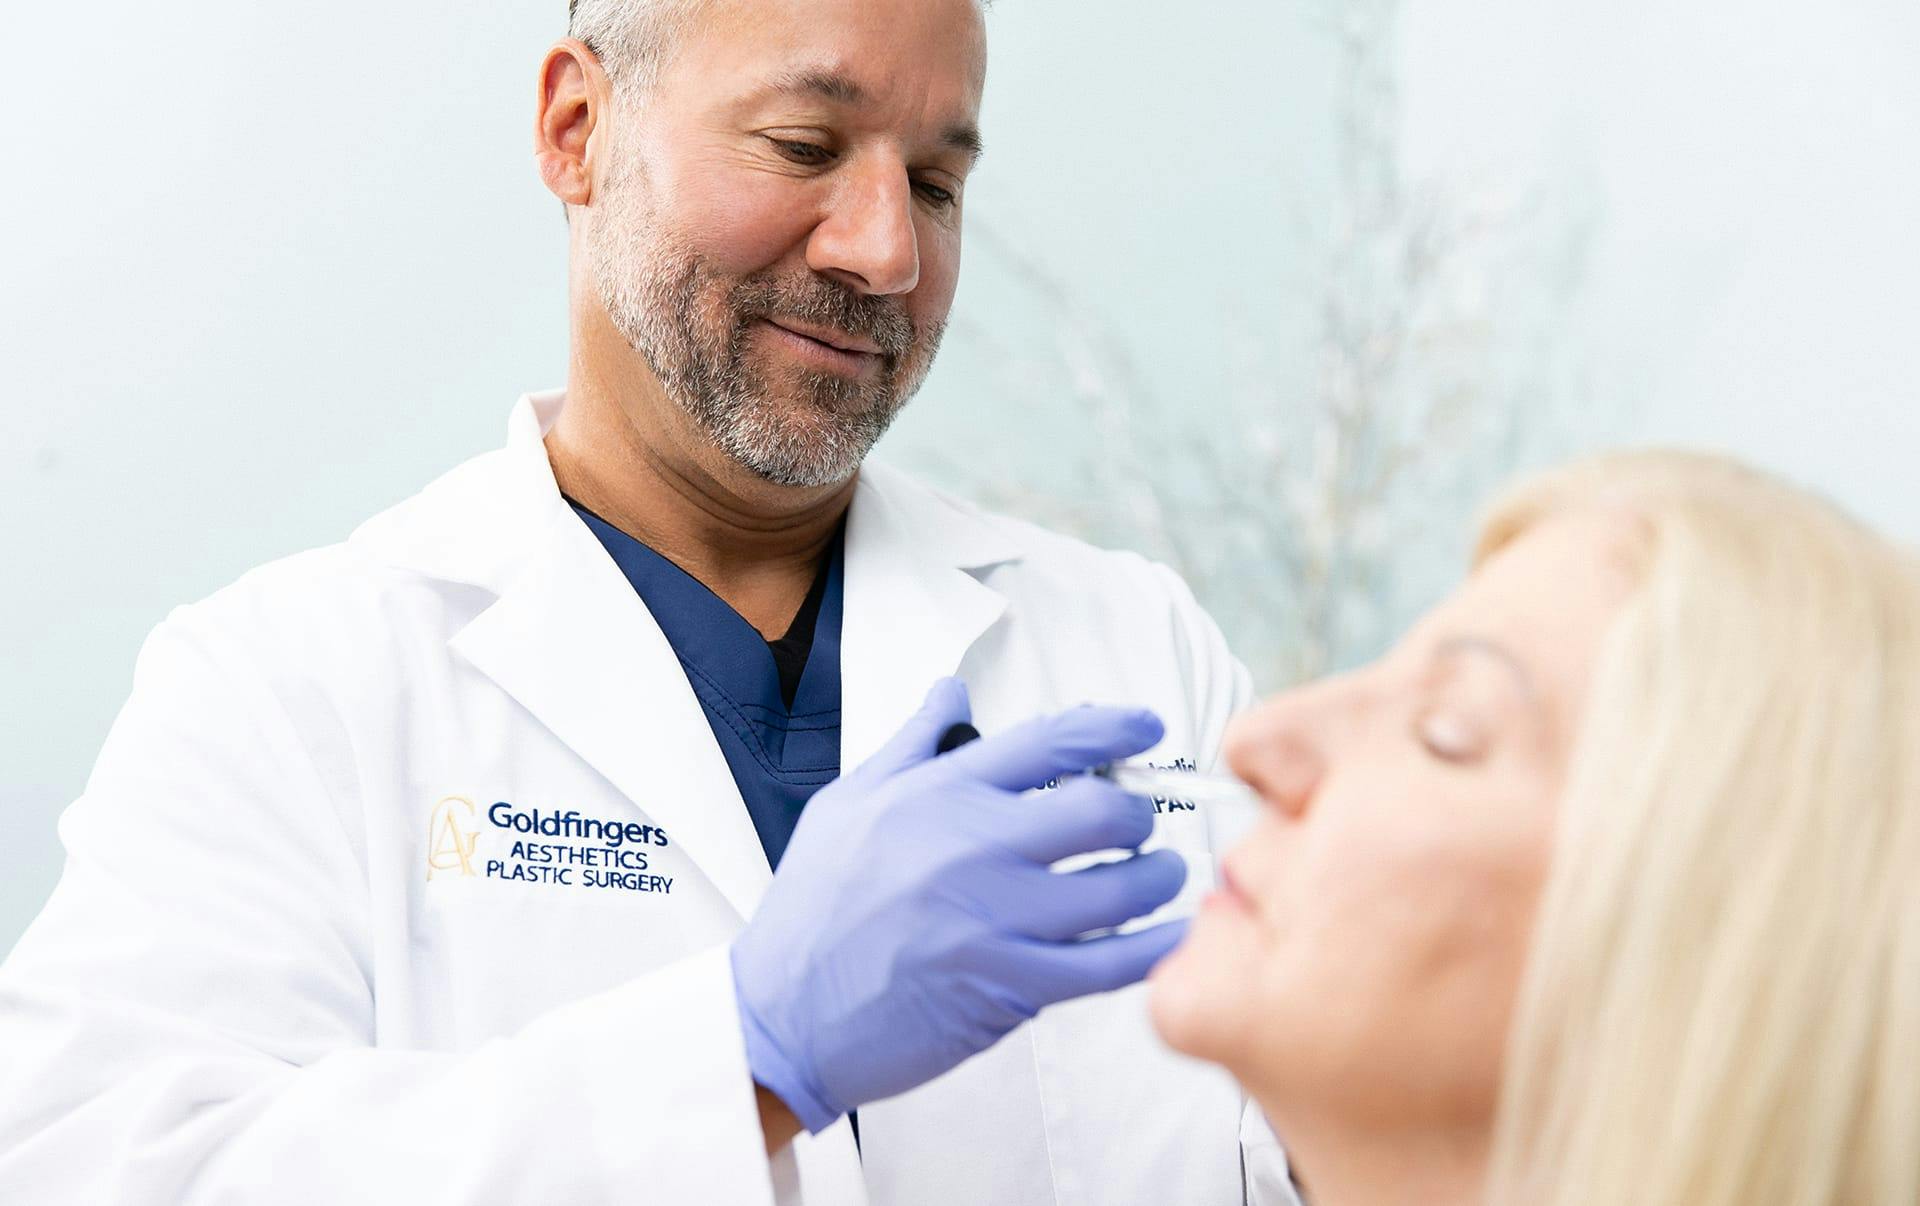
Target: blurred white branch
1299	509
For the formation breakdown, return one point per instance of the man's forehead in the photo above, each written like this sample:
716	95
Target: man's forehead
863	49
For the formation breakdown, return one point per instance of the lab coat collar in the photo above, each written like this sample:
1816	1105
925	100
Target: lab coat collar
915	603
476	523
569	639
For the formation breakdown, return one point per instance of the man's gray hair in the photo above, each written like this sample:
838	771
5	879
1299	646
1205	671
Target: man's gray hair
634	39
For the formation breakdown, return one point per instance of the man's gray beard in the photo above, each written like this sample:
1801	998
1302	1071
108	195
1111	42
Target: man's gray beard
691	326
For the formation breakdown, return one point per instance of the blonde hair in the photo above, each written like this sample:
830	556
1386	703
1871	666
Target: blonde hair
1722	1000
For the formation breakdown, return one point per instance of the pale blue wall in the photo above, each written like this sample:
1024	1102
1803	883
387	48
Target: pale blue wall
1755	279
268	269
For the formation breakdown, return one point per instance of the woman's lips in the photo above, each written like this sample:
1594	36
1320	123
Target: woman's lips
1229	895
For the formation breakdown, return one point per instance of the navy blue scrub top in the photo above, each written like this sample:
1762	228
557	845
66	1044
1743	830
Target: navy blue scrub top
781	746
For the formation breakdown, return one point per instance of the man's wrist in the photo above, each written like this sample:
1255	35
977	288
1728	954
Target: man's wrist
778	1125
773	1070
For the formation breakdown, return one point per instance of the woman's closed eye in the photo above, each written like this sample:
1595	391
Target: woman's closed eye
1476	689
1451	735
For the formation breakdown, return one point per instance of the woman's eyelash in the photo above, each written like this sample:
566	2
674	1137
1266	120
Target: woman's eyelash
1448	738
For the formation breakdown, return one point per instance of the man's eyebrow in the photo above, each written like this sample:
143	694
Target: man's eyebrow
821	82
842	89
964	137
1499	653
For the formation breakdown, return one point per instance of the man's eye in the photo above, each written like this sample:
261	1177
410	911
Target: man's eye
939	197
802	152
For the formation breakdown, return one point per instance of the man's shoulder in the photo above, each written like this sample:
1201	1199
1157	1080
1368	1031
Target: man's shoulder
317	612
388	574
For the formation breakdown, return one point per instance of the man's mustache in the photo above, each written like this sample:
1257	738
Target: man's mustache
827	303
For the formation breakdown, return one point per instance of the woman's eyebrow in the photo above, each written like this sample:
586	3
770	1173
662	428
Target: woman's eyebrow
1499	653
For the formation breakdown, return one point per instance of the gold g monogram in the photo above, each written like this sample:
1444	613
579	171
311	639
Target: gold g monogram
449	845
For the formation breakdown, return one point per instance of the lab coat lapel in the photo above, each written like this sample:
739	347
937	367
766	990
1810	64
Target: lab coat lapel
570	640
913	608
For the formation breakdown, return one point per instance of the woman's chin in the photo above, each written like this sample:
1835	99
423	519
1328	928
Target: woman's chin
1190	999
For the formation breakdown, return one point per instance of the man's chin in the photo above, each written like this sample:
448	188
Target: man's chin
801	454
800	393
797	475
812	408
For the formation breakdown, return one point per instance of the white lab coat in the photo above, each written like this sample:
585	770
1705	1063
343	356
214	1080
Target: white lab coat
269	975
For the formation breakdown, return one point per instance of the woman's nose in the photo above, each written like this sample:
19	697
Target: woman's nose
1277	749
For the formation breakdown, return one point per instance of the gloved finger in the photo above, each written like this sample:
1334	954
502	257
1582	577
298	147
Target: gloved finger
946	705
1083	815
1074	969
1065	743
1058	906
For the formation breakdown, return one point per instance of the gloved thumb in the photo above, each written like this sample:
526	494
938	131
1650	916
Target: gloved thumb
919	739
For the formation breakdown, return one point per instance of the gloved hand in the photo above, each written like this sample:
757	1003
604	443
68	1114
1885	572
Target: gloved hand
914	921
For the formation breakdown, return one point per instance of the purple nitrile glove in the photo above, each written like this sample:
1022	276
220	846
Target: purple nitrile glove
914	919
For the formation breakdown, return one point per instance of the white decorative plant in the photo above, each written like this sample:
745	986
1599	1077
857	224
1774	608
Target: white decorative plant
1314	509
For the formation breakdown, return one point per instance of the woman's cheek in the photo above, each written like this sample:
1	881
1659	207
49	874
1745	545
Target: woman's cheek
1363	902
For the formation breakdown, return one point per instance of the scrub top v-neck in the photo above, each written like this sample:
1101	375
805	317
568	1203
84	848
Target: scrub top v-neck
780	747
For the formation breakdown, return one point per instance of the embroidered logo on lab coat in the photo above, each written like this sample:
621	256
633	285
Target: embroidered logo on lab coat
1173	803
545	847
449	843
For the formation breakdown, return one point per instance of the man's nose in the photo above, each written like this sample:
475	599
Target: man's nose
1279	748
867	239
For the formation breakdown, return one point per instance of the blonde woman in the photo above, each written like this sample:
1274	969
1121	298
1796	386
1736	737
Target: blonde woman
1604	886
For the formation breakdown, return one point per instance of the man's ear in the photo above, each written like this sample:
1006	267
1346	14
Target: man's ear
573	97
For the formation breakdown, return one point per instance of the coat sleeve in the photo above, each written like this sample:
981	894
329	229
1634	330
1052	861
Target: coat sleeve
190	1020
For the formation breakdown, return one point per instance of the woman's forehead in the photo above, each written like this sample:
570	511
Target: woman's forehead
1546	598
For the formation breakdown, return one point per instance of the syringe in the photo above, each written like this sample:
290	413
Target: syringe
1222	825
1188	787
1155	782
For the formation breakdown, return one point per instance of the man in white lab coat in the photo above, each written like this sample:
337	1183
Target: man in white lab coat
464	862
